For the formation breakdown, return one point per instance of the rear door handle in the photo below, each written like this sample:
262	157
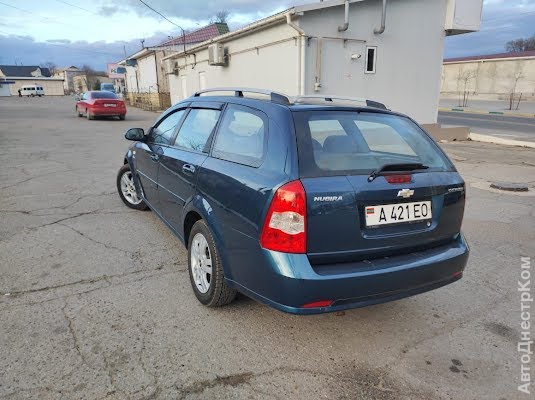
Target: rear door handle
155	157
188	168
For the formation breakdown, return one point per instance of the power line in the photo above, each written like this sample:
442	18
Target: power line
31	12
161	15
78	7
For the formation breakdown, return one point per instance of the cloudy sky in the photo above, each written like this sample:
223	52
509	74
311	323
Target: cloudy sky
76	32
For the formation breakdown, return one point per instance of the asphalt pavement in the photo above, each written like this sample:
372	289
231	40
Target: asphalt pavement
504	126
95	298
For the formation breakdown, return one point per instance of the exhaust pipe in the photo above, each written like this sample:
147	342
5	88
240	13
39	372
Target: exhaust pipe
344	27
380	30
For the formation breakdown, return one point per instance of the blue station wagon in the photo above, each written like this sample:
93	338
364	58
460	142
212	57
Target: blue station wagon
308	204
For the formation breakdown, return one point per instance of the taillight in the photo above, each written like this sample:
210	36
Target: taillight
405	178
284	228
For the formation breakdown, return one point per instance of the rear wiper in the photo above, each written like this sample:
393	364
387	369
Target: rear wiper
395	168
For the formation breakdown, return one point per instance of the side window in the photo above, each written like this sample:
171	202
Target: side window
164	131
197	128
241	136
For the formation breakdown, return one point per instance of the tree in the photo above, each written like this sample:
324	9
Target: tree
516	76
520	44
96	85
221	16
51	67
463	78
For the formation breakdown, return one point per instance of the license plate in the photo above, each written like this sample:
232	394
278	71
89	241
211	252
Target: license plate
385	214
110	105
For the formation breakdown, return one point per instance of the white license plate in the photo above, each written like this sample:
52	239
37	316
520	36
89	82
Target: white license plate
385	214
110	105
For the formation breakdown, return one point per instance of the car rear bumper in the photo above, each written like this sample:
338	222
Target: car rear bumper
107	111
296	282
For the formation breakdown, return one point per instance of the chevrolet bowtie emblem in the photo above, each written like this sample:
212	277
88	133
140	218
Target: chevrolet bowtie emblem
405	193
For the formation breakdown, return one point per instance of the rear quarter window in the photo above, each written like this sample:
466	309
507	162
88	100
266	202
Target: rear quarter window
349	143
241	136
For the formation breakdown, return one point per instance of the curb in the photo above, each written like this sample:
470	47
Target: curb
503	113
478	137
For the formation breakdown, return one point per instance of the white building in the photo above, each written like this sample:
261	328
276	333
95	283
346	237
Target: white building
387	50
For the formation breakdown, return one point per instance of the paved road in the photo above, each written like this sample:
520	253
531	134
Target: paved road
516	128
95	300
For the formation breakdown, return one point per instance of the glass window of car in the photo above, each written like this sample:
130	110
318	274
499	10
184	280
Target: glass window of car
165	130
103	95
241	136
345	142
196	129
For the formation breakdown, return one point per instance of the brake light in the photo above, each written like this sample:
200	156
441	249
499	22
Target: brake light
405	178
284	228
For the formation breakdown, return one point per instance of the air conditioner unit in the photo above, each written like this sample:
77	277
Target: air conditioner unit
216	55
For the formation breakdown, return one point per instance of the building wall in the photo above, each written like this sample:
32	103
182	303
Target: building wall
4	90
131	79
52	87
251	64
147	74
490	79
409	54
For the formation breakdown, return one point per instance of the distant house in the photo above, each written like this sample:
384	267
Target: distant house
386	50
28	75
84	82
67	74
491	76
145	73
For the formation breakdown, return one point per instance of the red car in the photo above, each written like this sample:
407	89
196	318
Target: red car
100	103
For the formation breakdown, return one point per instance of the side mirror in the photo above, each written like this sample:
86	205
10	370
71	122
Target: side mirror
136	134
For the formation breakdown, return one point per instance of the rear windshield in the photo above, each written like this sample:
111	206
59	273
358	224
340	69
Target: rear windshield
351	143
103	95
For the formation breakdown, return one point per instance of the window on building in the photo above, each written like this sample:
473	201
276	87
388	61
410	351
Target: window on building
371	59
196	129
241	136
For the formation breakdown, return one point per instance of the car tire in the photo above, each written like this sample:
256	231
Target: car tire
89	115
127	190
122	117
78	112
210	288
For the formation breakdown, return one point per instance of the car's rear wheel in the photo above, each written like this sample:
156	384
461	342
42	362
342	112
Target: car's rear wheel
122	117
205	270
127	189
78	112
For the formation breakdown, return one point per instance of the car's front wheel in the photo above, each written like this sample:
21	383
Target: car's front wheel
205	270
127	189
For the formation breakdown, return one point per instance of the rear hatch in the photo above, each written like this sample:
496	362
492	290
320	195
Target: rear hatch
415	203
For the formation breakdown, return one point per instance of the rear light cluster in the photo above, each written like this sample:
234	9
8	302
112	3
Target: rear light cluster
284	228
396	179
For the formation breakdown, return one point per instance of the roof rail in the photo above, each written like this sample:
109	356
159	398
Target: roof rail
328	98
239	91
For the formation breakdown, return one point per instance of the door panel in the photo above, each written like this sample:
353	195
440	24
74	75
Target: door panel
149	155
181	162
147	161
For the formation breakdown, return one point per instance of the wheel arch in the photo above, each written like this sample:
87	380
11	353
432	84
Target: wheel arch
200	208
